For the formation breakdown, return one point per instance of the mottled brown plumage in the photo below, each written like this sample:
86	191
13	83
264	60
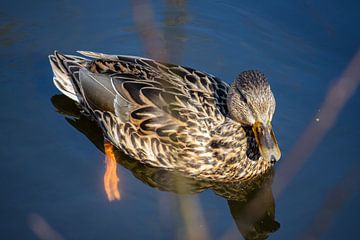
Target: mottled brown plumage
175	117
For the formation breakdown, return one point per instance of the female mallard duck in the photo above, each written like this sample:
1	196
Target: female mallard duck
175	117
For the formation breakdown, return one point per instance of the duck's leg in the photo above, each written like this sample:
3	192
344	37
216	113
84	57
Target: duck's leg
111	180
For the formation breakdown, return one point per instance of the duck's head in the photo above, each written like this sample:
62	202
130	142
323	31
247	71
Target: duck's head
251	102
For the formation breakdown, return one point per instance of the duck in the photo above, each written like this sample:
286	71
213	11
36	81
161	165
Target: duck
174	117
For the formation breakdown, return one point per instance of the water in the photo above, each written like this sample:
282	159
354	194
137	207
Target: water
52	169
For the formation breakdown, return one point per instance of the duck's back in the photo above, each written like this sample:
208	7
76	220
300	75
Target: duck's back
161	114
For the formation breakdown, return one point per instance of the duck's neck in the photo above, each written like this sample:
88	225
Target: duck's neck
234	146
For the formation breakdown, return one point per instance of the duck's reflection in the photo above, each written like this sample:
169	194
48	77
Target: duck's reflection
251	204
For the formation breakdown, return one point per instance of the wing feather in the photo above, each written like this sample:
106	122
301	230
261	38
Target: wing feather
172	103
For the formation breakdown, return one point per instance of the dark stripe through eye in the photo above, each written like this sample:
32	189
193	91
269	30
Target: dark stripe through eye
242	96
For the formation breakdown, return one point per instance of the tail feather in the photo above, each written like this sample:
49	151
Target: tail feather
66	73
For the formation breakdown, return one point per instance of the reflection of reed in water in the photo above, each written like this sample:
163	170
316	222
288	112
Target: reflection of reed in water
174	31
165	43
251	203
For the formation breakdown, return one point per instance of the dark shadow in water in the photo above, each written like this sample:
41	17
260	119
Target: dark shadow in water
251	203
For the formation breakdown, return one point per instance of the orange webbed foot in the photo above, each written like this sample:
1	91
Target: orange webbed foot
111	180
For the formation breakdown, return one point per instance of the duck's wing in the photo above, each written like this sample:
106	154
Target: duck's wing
203	88
171	106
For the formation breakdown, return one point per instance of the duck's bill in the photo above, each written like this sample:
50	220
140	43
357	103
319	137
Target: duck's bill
265	138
